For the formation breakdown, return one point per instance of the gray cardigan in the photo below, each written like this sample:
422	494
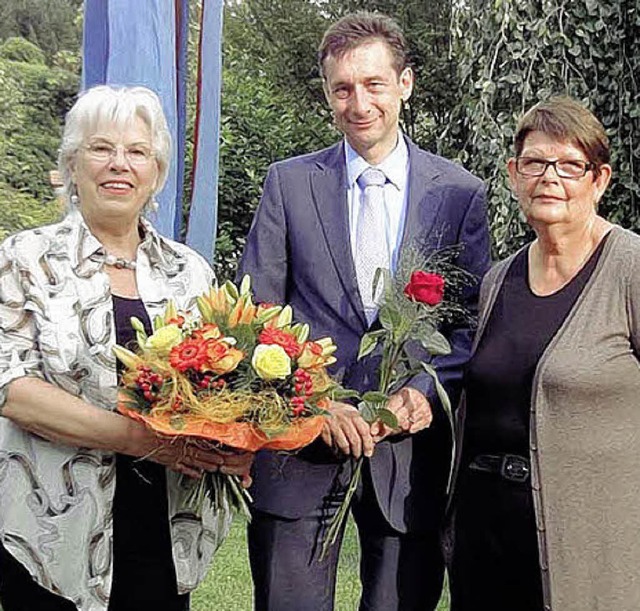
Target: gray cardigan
585	438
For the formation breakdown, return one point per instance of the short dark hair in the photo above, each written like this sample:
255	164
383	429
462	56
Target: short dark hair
567	120
359	28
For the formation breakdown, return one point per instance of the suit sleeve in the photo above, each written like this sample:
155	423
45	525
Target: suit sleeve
265	257
475	258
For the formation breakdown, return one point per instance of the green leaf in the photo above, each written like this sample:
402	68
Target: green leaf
137	325
387	417
340	394
245	285
436	344
390	318
141	338
367	411
369	342
374	396
384	275
231	289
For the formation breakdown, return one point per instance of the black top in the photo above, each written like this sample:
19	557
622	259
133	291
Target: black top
500	374
143	563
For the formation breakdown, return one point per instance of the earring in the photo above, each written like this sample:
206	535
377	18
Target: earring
154	205
74	199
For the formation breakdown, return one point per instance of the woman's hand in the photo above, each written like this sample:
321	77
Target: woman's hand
194	457
50	412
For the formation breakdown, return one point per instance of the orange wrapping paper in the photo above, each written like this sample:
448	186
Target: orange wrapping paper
239	435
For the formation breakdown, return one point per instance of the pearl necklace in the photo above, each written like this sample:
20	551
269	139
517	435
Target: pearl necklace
119	262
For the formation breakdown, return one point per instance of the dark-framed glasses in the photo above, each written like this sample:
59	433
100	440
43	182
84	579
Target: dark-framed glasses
136	154
565	168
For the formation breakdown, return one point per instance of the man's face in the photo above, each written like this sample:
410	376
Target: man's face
365	94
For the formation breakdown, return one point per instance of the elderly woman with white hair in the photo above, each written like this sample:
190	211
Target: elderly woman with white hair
85	523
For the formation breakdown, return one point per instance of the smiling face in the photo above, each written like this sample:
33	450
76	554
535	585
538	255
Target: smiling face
365	93
548	199
115	188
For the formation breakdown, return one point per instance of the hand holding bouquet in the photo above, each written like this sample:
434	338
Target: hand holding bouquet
240	376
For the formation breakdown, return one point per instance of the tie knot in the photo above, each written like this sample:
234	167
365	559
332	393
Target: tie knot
371	177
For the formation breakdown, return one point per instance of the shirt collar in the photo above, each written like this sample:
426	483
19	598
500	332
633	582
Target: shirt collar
394	165
158	249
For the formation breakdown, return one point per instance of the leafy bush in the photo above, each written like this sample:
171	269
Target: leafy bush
20	50
18	210
33	101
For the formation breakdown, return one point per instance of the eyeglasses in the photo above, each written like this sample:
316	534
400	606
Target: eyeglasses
137	155
565	168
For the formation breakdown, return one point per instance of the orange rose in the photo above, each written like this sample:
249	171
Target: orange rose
222	358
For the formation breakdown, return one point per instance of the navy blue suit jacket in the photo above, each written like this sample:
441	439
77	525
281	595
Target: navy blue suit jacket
298	252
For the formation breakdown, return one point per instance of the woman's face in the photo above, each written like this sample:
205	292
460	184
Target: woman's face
115	171
549	199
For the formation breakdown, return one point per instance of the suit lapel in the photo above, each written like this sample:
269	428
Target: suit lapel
329	191
424	198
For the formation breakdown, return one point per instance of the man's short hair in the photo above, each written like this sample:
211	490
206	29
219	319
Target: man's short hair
363	27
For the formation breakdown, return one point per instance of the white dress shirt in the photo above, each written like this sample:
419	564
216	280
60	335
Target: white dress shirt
396	169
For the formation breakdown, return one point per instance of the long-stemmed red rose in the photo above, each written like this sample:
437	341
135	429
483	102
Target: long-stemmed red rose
412	308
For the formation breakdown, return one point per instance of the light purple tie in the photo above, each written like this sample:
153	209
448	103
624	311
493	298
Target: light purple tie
371	252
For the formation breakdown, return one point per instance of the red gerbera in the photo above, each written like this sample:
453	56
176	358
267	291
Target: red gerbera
281	338
189	354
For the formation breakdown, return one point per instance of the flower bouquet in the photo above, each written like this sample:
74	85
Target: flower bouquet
423	297
239	375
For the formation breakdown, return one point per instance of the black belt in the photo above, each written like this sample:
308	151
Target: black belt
509	466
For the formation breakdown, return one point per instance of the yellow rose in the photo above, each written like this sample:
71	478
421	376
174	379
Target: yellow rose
271	362
164	339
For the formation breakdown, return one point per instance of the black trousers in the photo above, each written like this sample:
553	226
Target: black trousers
494	565
399	572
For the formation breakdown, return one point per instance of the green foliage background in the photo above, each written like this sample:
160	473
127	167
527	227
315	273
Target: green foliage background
479	64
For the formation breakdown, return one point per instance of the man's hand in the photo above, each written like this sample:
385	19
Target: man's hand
412	410
346	430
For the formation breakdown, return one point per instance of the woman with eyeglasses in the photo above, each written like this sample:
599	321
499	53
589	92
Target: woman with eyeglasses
90	501
546	509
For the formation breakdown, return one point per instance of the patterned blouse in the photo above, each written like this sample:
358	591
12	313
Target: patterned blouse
56	323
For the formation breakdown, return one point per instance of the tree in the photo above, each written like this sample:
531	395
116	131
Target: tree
261	123
51	25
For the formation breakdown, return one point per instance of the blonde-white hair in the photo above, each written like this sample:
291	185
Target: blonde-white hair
114	104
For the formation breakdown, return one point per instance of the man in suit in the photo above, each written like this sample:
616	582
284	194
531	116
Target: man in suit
310	244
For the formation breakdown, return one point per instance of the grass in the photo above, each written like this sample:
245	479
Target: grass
228	586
